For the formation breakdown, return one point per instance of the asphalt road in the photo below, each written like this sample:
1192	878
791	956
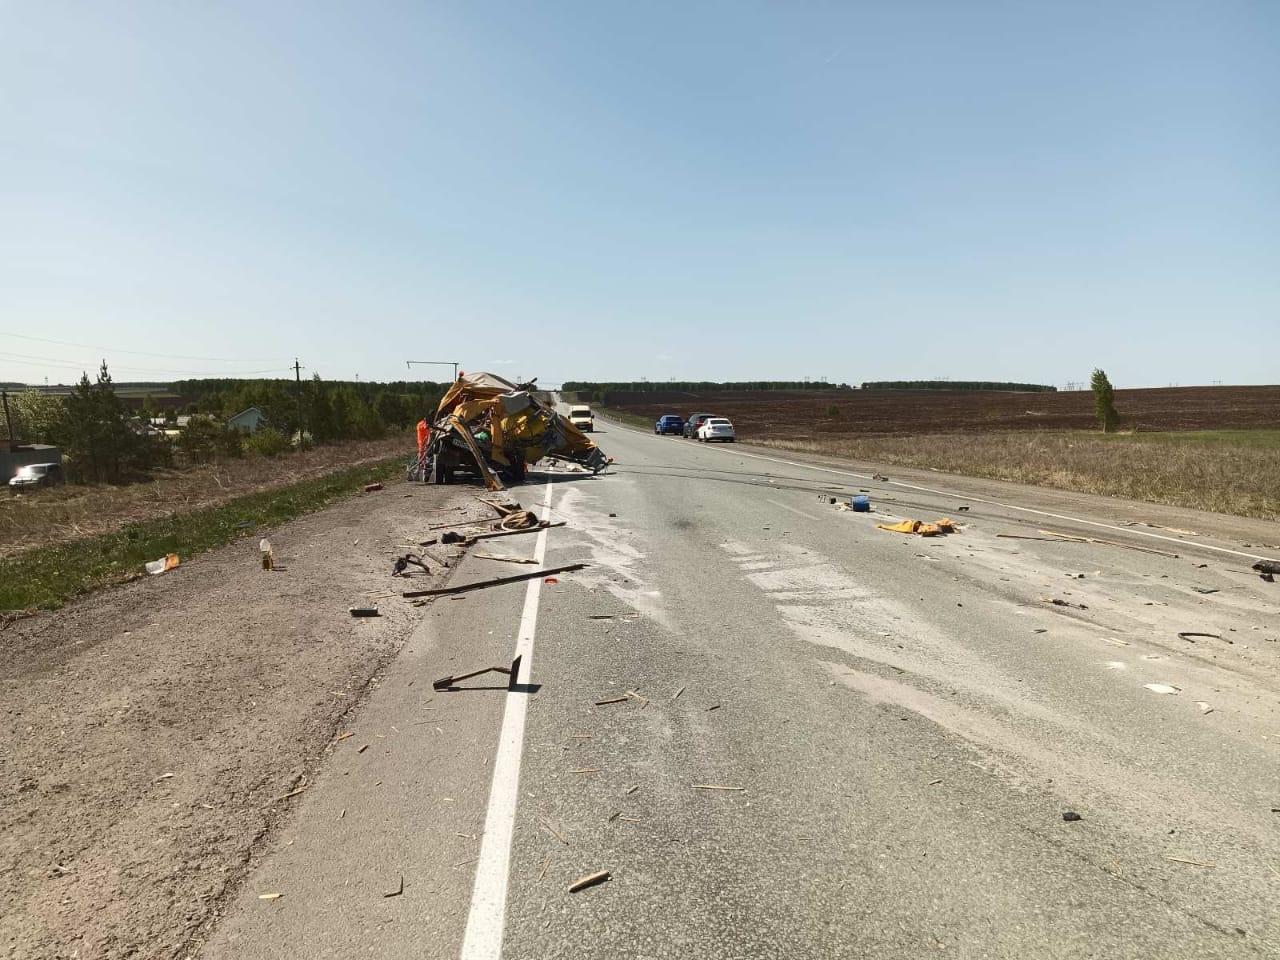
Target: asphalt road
900	725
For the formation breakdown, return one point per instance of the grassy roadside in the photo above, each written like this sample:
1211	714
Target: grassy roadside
1214	473
47	577
629	419
75	512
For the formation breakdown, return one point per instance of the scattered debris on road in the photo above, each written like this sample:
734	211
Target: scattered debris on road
450	684
590	880
1162	687
1189	634
497	582
1063	603
1194	863
397	891
403	563
553	831
363	611
505	559
1070	816
716	786
1204	706
919	527
270	896
601	703
1267	569
372	487
1110	543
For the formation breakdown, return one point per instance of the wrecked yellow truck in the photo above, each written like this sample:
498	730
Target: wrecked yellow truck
495	429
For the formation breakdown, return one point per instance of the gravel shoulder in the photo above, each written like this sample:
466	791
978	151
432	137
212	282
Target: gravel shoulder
154	734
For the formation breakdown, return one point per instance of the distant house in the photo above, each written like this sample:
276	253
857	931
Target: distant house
248	421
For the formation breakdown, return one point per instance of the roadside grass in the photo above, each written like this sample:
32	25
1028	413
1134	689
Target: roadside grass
1204	470
47	577
77	512
630	419
1257	439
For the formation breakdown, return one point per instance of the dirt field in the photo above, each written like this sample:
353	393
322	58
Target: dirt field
75	512
152	734
795	415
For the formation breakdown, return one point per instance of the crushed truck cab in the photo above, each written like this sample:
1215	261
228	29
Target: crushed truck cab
496	429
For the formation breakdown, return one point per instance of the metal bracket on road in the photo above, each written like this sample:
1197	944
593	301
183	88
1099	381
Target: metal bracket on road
451	683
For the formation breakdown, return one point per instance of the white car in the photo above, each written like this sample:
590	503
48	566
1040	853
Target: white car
716	428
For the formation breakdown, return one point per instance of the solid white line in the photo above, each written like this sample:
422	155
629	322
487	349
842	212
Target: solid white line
993	503
487	920
779	503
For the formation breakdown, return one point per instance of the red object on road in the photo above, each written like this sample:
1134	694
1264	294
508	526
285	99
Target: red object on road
372	487
551	580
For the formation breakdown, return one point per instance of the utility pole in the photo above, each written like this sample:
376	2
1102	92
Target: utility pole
435	363
297	374
4	396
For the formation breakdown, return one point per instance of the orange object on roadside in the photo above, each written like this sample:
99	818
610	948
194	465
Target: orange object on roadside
919	527
424	434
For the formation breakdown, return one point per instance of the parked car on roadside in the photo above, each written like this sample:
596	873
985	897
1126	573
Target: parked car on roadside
716	428
669	423
693	423
36	475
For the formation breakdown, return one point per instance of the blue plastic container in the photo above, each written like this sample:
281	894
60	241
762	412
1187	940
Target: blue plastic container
860	503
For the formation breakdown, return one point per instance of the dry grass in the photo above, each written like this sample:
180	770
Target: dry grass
75	513
1218	474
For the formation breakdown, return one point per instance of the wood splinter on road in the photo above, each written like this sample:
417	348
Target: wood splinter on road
554	832
1194	863
397	891
590	880
601	703
497	582
716	786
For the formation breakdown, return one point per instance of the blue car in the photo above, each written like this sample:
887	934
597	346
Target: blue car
670	423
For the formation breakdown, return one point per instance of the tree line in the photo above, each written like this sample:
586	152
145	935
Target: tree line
600	392
103	441
1004	386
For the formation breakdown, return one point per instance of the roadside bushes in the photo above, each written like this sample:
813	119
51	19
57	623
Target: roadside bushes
203	439
267	442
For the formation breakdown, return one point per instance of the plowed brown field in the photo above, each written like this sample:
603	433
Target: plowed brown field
798	415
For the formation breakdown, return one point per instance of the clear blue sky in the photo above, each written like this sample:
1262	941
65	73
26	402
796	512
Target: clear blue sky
616	190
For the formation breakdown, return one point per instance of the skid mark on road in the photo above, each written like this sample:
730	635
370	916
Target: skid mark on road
615	559
1015	731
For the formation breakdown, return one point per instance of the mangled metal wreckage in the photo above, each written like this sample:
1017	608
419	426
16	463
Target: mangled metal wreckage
492	427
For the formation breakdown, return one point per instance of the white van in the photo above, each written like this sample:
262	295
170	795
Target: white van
580	416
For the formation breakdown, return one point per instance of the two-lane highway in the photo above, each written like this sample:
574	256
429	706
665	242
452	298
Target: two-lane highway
787	733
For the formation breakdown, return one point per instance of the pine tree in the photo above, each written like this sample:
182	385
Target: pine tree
1104	396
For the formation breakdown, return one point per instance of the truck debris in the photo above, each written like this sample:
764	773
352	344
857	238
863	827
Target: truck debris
493	428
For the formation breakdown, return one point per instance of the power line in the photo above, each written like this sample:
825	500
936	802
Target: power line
140	353
30	360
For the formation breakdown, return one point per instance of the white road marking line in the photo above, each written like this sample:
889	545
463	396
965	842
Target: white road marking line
807	516
997	503
486	921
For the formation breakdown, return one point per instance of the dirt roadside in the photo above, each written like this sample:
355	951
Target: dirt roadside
152	734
